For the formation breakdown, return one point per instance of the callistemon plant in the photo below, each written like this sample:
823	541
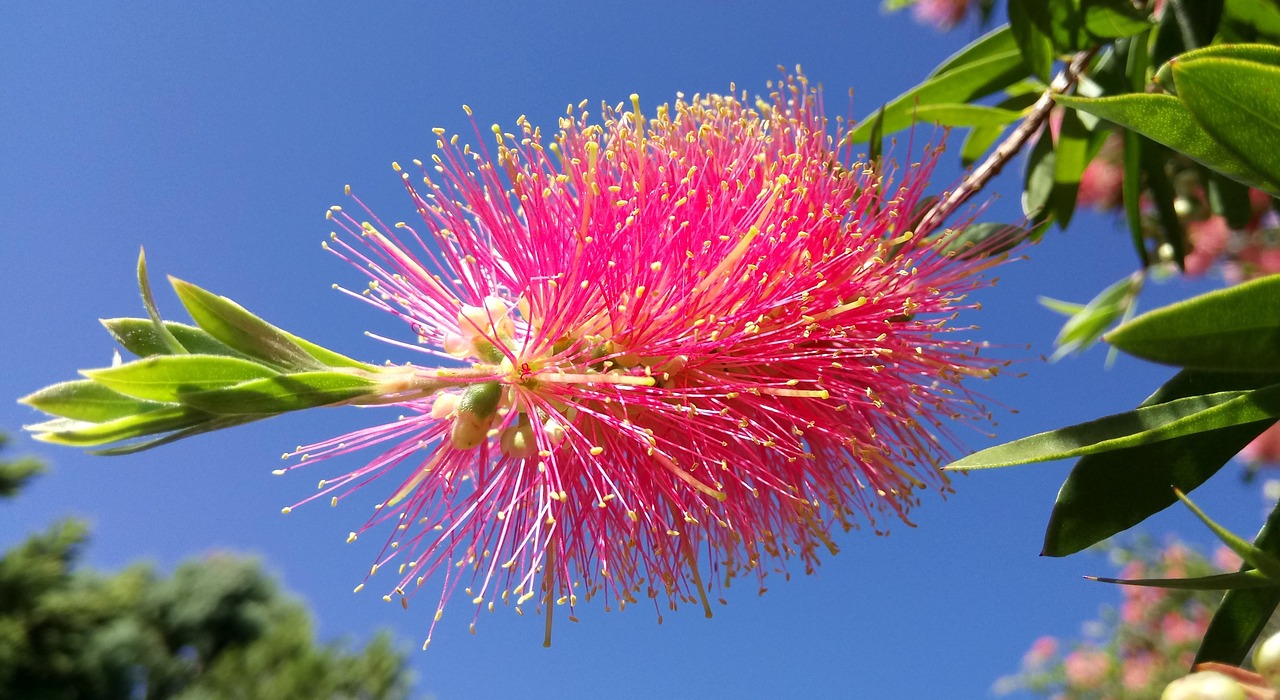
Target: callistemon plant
660	353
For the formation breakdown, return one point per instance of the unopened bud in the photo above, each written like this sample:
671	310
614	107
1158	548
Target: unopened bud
518	440
1204	685
444	405
1266	660
476	409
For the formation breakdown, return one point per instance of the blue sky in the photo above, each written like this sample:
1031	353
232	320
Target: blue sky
217	139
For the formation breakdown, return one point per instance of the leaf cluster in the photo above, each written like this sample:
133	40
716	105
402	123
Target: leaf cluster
228	369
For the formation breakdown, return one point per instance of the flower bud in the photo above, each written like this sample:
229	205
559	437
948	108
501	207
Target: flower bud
1266	660
1205	685
518	439
476	409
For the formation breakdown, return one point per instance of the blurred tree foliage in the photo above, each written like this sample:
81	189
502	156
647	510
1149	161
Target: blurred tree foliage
218	627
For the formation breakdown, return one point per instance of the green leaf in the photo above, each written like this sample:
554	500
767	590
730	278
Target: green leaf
1070	156
1250	578
1037	186
232	324
956	114
167	341
161	420
962	84
281	393
1085	327
1155	159
1036	48
1243	613
1250	18
875	144
1234	330
997	42
1268	565
1141	426
86	400
977	142
1254	53
1164	119
1238	105
168	377
138	336
1065	308
1113	19
965	243
1110	492
210	425
1229	199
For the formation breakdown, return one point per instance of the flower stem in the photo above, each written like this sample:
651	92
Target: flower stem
981	175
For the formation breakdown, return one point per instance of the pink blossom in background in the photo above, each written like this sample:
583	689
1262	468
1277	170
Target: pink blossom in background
942	14
1264	451
1086	667
1139	671
695	346
1209	239
1041	651
1225	559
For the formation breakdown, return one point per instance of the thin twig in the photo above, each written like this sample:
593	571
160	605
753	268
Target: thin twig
976	180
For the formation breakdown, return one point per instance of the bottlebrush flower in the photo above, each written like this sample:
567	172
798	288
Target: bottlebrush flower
697	345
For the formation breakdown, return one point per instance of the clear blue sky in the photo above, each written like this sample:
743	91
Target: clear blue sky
218	138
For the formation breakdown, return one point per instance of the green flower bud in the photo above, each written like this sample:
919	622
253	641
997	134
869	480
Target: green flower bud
476	408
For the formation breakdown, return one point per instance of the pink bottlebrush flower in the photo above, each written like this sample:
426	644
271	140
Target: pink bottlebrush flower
942	14
696	345
1139	670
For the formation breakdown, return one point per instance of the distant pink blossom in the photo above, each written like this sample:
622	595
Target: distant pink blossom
1264	450
696	345
1086	667
1225	559
1041	651
942	14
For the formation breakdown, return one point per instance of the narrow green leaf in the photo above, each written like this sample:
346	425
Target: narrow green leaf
1265	54
963	84
170	344
232	324
956	114
1238	105
1268	565
1085	327
1250	578
1228	199
1243	613
1036	48
1235	330
138	336
1065	308
1164	119
1114	19
1141	426
1249	20
875	144
159	421
977	142
167	377
1070	156
1155	159
281	393
996	42
1037	185
86	400
977	240
210	425
1110	492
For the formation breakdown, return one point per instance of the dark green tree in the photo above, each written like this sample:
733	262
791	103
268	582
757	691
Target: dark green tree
218	627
